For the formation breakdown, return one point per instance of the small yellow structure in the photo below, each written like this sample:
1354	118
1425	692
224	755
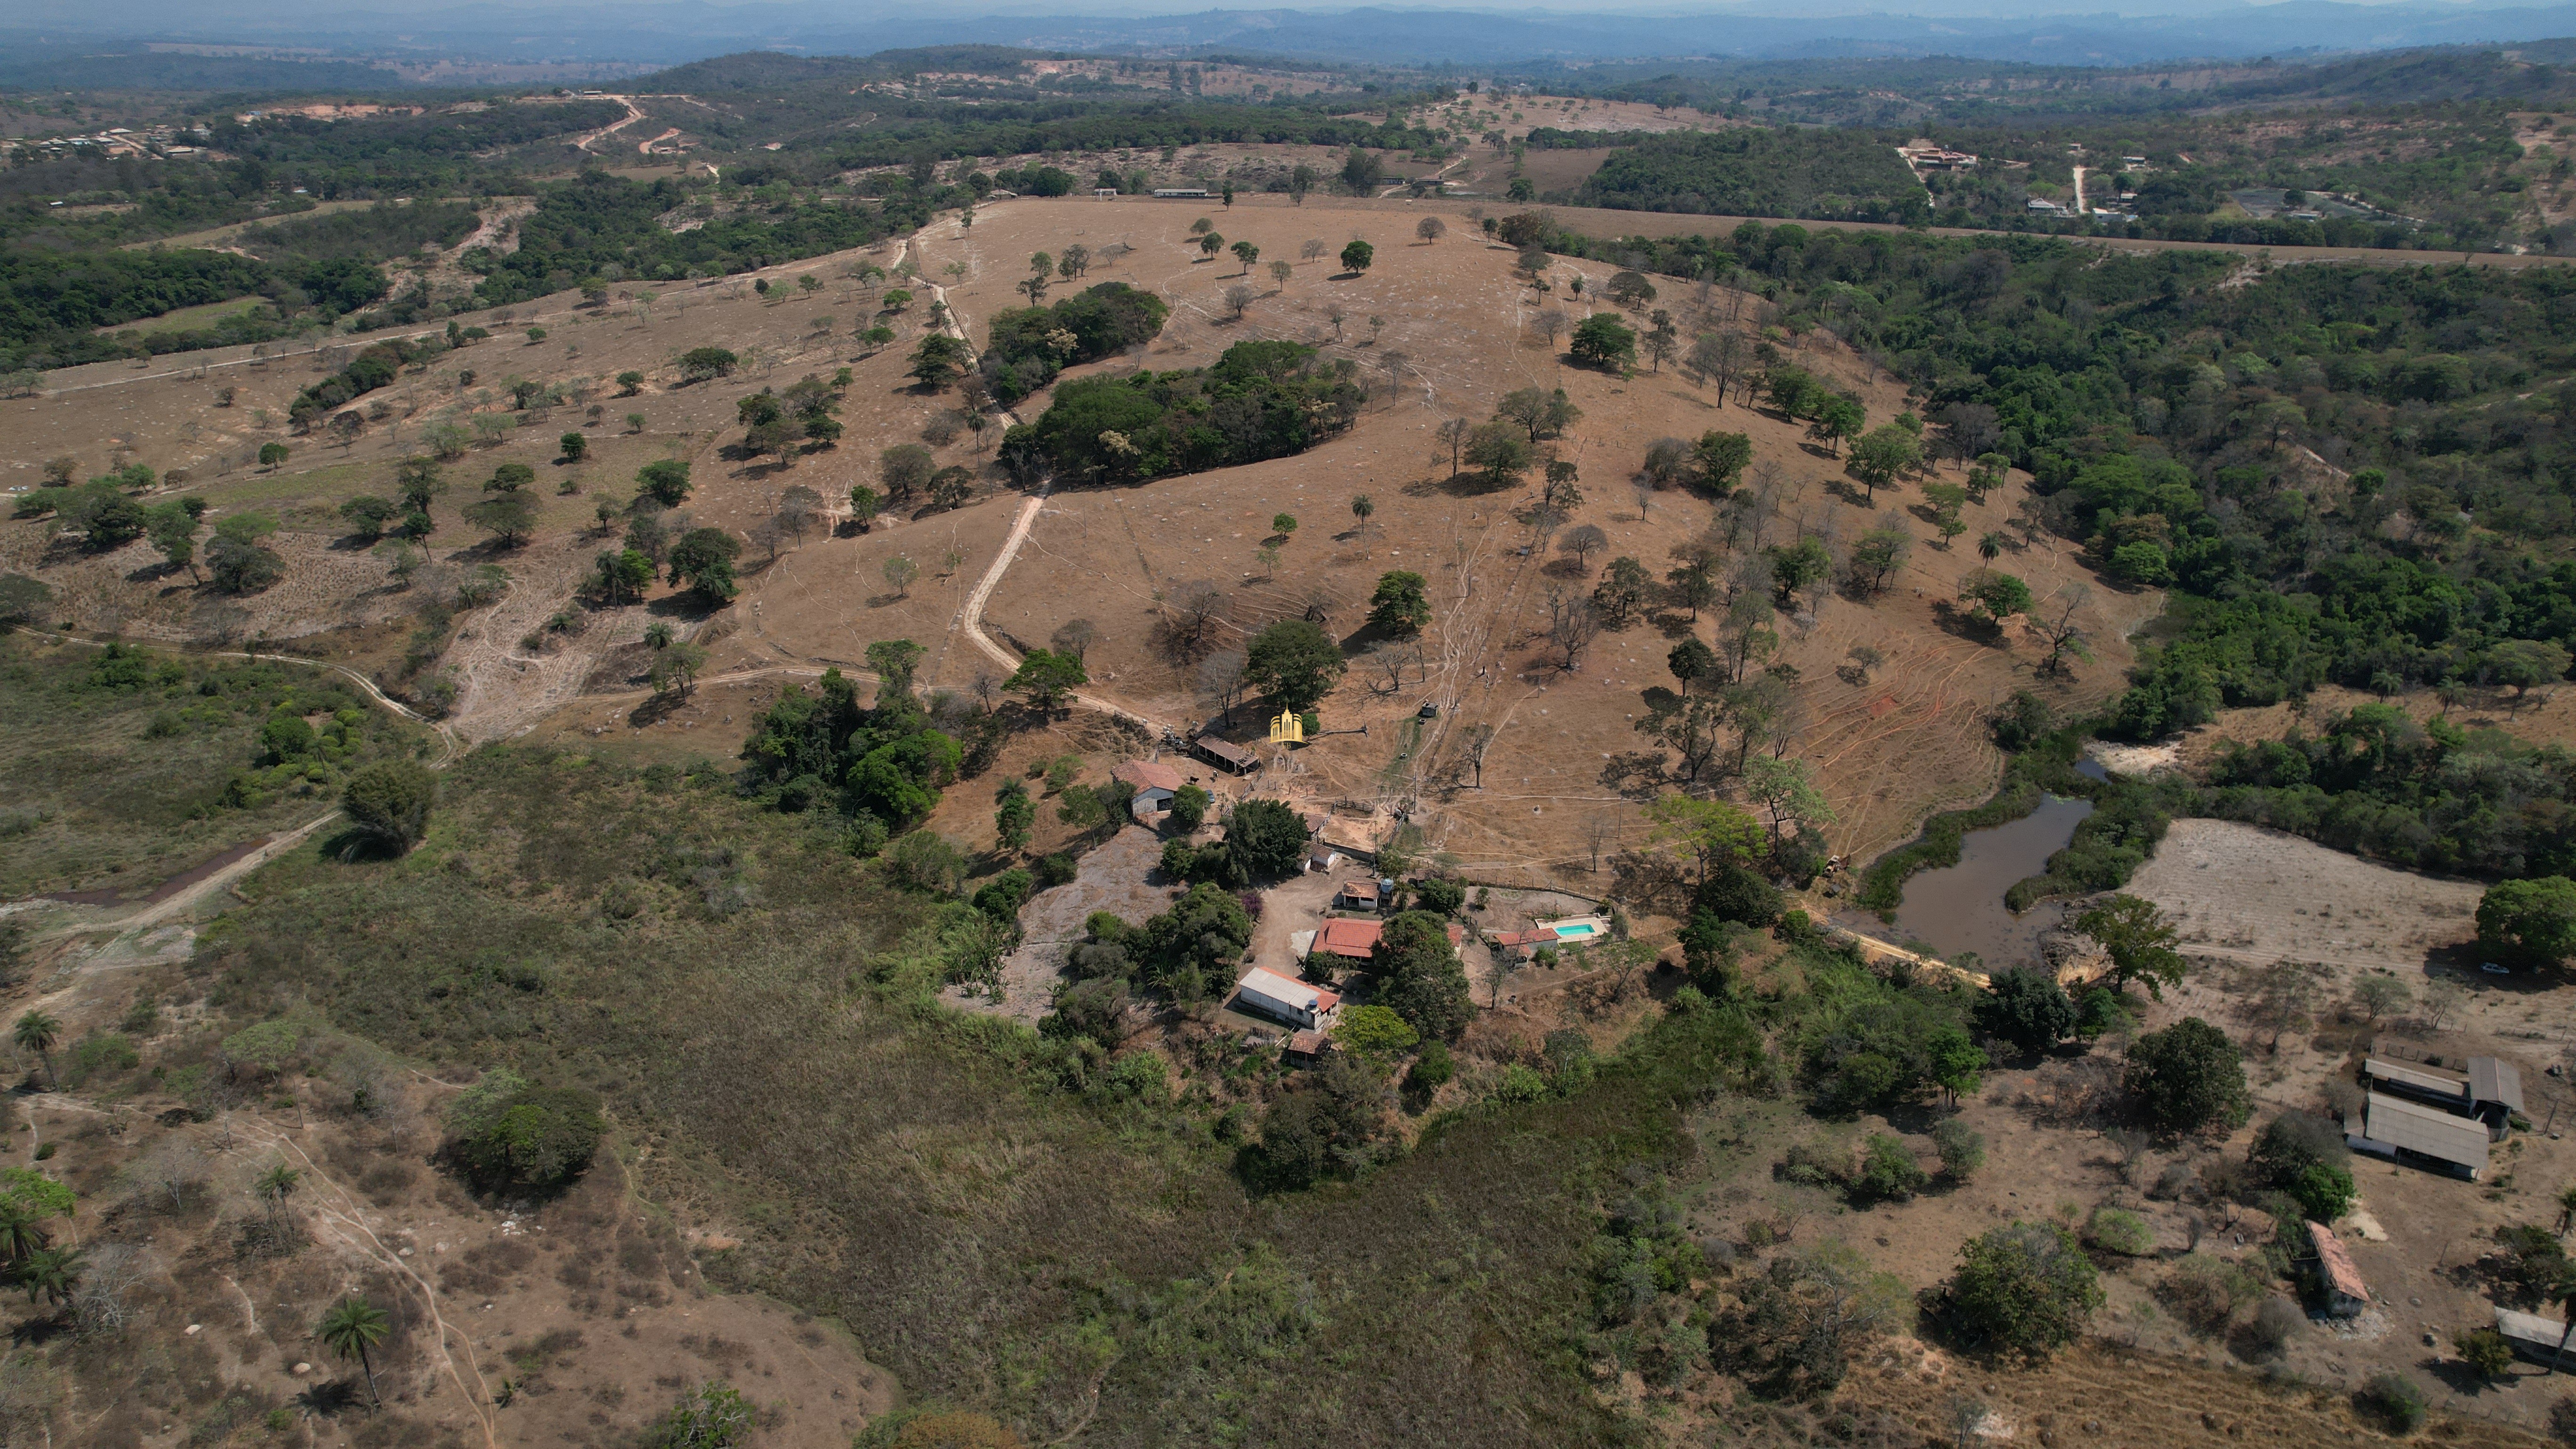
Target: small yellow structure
1288	729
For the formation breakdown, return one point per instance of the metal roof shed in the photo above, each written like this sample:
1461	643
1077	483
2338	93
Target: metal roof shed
2494	1081
2413	1080
2395	1125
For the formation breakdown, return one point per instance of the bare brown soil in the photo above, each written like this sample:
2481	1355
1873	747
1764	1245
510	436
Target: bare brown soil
2244	893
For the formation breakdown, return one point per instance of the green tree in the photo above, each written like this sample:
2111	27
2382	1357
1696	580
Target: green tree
1267	837
1711	833
2139	941
1499	452
2027	1008
575	447
508	1134
1837	422
1375	1030
1048	679
2532	921
1881	456
1015	817
1602	340
1995	596
906	469
1796	565
390	802
1718	459
938	361
2026	1286
666	482
1416	974
37	1032
1878	554
675	667
275	1186
271	455
717	1416
51	1274
1295	662
2523	663
702	364
1357	256
2188	1076
2304	1156
1399	608
369	515
703	558
352	1329
173	530
508	517
623	574
1246	253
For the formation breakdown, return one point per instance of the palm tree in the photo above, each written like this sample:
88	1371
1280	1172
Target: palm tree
38	1032
351	1328
275	1186
51	1273
19	1236
1361	508
1990	546
2562	1286
657	635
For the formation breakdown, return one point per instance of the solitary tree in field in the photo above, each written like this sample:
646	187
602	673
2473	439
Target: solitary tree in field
275	1186
1430	229
351	1329
900	572
1246	253
1280	273
1357	256
2139	941
1361	507
38	1032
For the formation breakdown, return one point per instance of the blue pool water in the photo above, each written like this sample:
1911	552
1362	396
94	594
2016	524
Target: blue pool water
1584	929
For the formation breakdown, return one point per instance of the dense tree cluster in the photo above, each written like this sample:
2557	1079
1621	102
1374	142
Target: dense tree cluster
1265	399
1032	344
884	765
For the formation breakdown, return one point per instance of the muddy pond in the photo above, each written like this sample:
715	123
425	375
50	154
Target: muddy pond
1961	907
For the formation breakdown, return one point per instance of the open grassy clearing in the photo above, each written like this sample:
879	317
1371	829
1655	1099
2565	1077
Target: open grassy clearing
186	319
124	771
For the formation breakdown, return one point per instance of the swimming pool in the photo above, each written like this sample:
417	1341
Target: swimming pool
1576	930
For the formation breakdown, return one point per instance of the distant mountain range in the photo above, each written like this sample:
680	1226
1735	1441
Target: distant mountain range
675	33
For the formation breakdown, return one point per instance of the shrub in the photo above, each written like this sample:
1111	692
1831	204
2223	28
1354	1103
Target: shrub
2205	1292
1888	1172
1962	1148
2485	1351
1432	1069
2026	1286
390	802
2394	1400
506	1133
2275	1324
2114	1230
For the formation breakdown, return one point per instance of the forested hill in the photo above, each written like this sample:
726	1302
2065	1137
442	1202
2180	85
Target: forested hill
2354	475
